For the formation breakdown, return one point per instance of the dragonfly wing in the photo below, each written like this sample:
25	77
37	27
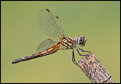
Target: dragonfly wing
50	24
45	44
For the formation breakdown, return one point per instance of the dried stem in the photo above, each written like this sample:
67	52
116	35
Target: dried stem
94	70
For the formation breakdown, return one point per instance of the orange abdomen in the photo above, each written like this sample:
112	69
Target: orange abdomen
48	51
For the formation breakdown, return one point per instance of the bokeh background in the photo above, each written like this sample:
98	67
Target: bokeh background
20	36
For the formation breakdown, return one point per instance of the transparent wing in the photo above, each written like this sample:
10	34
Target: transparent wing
45	44
50	24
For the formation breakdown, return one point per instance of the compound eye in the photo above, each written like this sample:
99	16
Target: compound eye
81	42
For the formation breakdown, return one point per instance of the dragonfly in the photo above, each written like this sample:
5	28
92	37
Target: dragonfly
50	25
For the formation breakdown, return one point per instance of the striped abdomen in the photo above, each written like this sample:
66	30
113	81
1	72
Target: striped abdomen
48	51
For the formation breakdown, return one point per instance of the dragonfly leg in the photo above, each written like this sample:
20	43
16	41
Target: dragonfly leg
73	59
80	53
84	50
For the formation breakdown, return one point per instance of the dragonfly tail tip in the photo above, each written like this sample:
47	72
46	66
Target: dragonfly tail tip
13	62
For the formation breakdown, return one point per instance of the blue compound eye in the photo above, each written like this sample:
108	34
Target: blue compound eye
81	41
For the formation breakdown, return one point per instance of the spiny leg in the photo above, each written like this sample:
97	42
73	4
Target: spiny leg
84	50
73	59
80	53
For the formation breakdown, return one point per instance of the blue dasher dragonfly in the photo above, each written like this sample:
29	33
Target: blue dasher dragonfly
50	25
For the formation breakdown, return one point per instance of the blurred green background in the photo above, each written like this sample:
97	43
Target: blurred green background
20	35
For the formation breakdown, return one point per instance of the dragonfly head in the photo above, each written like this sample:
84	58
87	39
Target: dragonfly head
81	40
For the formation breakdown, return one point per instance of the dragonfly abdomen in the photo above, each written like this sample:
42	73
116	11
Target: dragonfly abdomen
25	58
48	51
